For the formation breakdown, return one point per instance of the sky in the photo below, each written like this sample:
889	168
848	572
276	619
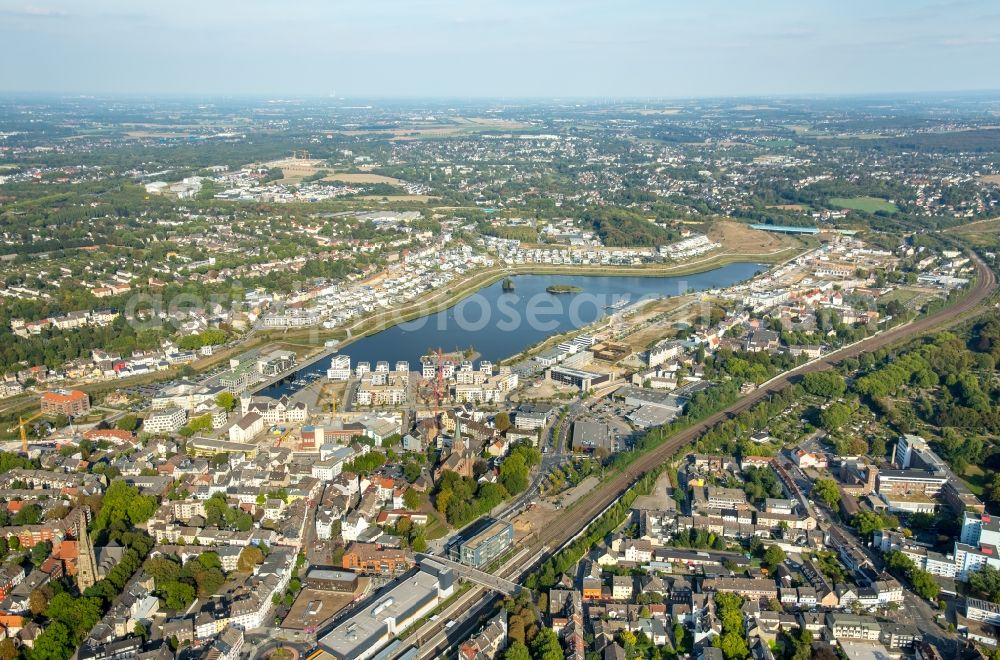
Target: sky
499	49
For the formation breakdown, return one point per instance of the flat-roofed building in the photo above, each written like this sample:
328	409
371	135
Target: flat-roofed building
164	420
982	610
585	380
485	546
210	447
592	436
725	498
332	579
370	559
65	402
392	611
911	482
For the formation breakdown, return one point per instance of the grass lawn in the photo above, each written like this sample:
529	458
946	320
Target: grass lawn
901	296
975	479
866	204
436	528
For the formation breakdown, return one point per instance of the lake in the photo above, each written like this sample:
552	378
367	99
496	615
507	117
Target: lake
498	324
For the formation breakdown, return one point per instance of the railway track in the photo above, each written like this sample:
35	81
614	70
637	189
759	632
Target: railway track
576	519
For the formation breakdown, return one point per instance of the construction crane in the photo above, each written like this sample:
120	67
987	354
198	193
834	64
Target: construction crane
22	424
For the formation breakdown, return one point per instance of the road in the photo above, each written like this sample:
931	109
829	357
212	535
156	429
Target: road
566	527
586	509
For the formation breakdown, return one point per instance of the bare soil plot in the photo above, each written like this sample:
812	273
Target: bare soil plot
789	207
738	238
399	198
535	519
362	177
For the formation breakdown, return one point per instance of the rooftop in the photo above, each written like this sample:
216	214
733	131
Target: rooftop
370	625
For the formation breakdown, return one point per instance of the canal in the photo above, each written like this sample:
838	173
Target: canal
498	324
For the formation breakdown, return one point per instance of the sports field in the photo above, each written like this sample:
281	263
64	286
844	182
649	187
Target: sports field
866	204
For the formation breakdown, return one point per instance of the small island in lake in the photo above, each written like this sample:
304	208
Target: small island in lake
563	288
508	284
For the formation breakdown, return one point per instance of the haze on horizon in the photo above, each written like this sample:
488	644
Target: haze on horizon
517	48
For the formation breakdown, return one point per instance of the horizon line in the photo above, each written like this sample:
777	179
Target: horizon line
606	99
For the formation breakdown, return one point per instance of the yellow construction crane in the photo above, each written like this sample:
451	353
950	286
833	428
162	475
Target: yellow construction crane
22	424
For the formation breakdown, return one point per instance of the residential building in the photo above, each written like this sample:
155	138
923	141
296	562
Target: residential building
65	402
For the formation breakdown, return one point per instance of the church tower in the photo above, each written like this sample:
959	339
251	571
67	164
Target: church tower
86	562
458	444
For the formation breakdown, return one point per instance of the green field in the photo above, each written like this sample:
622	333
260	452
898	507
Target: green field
866	204
777	143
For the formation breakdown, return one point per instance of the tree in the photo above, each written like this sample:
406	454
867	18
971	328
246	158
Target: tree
412	499
546	646
773	556
924	584
986	581
250	557
208	580
162	569
921	520
514	474
128	423
79	615
411	471
868	522
123	504
827	384
30	514
628	640
210	560
177	595
40	552
898	563
226	401
502	422
680	641
733	646
38	600
827	491
53	644
835	416
516	651
443	499
8	649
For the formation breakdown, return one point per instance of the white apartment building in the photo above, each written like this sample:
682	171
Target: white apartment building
165	420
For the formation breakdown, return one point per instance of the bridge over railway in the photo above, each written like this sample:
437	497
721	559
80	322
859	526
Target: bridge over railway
506	587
